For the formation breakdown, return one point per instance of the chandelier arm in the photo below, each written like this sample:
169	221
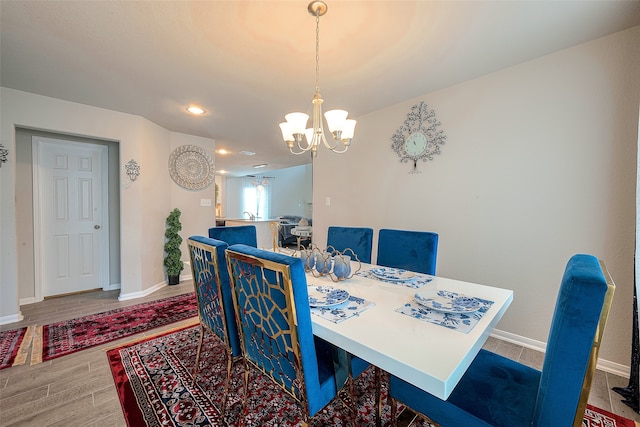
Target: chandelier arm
305	148
300	152
335	150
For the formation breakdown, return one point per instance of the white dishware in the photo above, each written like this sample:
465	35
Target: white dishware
447	302
326	296
393	274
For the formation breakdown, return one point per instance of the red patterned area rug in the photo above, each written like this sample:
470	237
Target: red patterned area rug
155	386
62	338
14	346
154	383
596	417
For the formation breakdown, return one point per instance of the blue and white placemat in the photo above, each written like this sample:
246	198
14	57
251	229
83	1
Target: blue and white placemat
462	322
416	282
353	307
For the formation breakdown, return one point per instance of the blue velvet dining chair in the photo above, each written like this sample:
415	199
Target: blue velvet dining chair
500	392
244	234
358	239
411	250
214	301
274	318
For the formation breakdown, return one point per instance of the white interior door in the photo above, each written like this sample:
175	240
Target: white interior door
71	224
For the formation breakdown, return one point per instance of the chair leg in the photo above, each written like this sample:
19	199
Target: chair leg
394	409
245	389
196	370
227	382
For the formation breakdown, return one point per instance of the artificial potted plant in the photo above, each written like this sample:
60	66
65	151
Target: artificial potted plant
173	254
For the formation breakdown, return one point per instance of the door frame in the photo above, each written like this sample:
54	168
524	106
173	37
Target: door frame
38	236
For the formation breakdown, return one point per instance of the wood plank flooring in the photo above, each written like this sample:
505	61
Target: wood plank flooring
78	389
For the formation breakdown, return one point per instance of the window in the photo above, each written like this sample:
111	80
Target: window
256	197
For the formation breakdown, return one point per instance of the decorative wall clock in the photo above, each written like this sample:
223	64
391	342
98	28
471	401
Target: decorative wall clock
419	138
191	167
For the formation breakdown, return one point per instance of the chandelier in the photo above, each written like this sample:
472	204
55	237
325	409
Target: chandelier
259	184
295	132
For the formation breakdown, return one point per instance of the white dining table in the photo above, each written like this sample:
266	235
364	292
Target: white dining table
430	356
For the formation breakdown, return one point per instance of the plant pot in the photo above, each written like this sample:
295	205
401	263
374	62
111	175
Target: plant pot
174	280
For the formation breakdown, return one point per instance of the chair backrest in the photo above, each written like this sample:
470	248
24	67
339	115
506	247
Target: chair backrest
411	250
213	289
578	310
244	234
274	318
358	239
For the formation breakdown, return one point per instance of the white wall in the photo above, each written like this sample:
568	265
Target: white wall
539	164
291	190
233	198
144	203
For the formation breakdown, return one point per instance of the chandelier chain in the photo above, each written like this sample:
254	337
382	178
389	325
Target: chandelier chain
317	52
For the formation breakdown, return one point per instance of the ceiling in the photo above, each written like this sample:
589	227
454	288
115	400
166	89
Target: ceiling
247	63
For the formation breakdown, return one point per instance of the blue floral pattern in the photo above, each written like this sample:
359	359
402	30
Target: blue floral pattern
462	322
417	282
336	314
449	302
326	296
393	274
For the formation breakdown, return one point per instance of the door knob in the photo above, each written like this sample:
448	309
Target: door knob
97	227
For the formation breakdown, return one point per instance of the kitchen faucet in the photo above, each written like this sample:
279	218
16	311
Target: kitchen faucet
252	217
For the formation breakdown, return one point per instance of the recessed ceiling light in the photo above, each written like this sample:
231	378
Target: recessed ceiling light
222	171
261	165
247	153
222	151
194	109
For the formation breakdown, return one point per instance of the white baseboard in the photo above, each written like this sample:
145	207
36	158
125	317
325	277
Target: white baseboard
11	319
520	340
148	291
29	300
603	365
